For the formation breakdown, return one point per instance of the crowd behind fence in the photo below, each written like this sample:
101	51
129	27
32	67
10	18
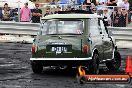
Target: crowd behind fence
113	15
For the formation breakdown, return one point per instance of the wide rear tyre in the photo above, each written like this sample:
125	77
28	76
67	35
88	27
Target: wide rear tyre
36	67
94	65
116	63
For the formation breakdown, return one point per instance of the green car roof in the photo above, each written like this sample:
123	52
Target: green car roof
66	16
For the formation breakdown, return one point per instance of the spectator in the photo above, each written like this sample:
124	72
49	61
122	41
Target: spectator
68	8
126	4
101	4
15	13
130	14
106	16
124	17
6	13
87	4
0	13
93	10
121	18
47	12
112	2
25	13
84	8
119	3
73	8
36	14
57	10
94	2
116	17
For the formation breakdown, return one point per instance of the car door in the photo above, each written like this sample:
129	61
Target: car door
107	42
96	39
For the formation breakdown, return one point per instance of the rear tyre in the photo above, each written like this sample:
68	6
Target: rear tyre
36	67
94	65
116	63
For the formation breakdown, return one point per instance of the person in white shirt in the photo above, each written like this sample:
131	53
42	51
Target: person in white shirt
119	3
126	4
106	16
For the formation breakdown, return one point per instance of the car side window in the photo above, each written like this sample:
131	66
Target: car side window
43	28
94	27
102	28
52	27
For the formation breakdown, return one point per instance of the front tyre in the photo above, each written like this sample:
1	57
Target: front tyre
116	63
94	65
36	67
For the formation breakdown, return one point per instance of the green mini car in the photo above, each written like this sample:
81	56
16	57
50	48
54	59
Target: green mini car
72	40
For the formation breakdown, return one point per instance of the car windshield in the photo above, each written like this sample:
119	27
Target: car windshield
52	27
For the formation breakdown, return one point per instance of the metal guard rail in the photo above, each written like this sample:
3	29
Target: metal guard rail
25	28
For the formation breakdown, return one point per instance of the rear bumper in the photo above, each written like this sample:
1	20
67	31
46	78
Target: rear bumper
61	61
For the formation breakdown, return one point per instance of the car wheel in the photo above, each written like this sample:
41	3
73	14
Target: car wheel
116	63
36	68
94	65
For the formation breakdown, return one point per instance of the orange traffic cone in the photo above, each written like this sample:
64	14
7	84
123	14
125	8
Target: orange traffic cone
128	68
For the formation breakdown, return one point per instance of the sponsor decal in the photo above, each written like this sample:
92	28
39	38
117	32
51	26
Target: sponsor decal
118	79
105	79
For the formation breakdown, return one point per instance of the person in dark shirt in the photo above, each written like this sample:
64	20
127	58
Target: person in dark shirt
121	18
116	17
36	14
124	17
87	2
112	3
